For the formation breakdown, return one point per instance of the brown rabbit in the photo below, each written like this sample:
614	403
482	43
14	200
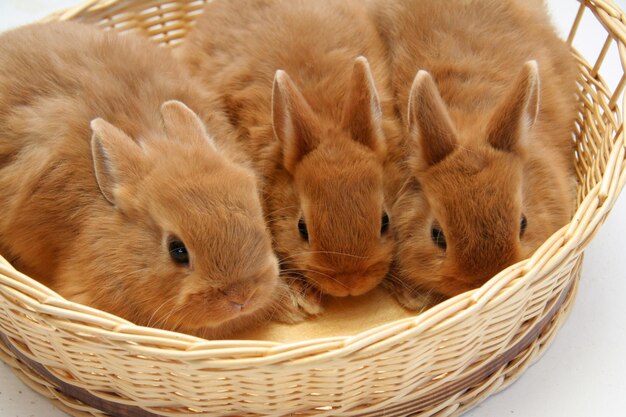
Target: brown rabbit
489	120
140	215
318	135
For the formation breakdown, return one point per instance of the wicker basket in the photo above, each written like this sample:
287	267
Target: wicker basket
441	362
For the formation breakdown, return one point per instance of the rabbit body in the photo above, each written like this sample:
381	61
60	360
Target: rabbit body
317	119
99	214
488	121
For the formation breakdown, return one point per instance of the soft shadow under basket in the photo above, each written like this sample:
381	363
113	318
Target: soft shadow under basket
439	363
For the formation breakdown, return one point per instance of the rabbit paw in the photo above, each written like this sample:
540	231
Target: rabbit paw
300	302
411	298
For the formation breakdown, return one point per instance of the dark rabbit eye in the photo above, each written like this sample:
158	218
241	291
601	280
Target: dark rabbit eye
436	234
523	223
384	223
302	229
178	252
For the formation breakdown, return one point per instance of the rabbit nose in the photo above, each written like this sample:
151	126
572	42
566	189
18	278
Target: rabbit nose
239	301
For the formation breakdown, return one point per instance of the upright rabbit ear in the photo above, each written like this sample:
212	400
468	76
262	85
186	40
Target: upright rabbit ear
183	125
363	116
295	124
116	158
516	115
429	121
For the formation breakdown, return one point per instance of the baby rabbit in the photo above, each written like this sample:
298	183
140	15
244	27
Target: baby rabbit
489	118
315	116
141	214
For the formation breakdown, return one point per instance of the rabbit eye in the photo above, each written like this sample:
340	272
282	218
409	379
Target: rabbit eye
436	234
178	251
384	223
302	229
523	223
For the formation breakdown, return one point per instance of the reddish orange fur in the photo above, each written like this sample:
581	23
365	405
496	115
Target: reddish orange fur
56	222
477	164
320	151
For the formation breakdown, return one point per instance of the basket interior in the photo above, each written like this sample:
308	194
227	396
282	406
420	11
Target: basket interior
596	132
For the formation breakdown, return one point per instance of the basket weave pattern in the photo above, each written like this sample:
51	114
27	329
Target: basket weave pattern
439	363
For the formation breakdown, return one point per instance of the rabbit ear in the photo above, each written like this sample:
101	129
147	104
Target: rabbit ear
516	115
116	158
362	115
183	125
429	121
295	124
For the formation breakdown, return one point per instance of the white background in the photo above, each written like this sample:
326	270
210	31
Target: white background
581	374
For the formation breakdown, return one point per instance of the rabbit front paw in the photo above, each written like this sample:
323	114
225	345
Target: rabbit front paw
300	301
410	297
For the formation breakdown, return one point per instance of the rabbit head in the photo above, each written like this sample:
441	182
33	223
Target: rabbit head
480	199
331	224
192	250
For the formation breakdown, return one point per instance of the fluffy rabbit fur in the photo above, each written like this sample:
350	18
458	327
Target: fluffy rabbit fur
90	207
489	120
318	128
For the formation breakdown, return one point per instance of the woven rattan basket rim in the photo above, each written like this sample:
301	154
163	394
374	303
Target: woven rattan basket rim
469	381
